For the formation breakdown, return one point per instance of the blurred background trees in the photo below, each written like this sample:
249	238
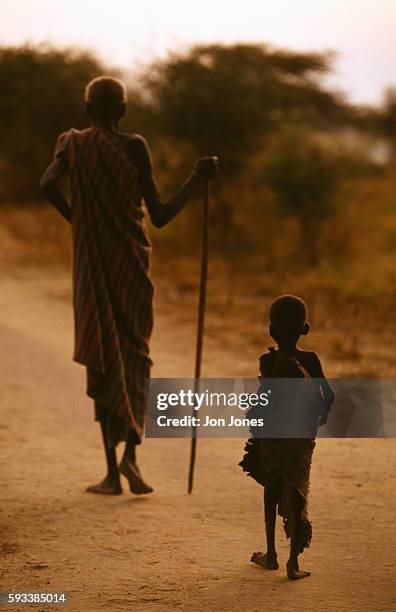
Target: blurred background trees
294	153
226	99
210	99
41	96
388	118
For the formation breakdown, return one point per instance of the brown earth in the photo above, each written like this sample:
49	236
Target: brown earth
170	550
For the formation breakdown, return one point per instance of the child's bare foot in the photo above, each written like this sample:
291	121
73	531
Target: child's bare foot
270	562
132	473
294	572
106	487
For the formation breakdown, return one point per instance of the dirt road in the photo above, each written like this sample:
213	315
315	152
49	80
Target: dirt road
167	550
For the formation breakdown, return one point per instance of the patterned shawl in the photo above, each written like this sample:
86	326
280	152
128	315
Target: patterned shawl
112	290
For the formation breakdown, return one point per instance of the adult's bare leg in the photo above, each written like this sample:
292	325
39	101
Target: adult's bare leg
129	468
111	484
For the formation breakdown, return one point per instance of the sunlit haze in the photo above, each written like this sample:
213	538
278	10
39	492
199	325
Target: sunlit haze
124	32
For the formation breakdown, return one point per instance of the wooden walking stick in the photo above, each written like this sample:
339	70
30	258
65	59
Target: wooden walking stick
201	323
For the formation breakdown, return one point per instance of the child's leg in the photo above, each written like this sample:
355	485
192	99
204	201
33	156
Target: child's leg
272	494
110	485
271	500
129	468
296	505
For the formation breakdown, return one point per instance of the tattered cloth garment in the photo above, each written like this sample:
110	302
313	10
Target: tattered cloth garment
112	291
283	460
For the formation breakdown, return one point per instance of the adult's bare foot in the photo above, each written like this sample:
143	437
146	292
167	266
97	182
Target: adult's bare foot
106	487
132	474
294	572
265	560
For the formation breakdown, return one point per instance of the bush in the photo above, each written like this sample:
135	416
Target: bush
41	96
304	176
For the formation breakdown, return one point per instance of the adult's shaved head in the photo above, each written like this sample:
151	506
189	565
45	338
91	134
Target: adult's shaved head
106	96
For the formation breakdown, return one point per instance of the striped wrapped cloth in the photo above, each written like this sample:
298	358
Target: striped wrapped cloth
112	291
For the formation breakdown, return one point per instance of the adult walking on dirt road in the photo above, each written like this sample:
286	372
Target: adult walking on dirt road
110	173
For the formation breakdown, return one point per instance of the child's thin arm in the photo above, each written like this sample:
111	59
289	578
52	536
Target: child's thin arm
327	391
51	190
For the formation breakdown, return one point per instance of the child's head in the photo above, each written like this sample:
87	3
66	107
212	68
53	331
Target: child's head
105	98
288	319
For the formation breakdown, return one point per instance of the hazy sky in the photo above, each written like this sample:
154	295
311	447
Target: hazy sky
123	31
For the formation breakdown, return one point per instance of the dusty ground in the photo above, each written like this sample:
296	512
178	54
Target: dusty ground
170	550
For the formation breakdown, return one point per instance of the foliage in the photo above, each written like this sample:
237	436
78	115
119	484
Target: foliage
304	175
389	117
224	99
41	96
231	100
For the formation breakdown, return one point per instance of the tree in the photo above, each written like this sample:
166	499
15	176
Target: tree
41	96
224	99
304	176
389	117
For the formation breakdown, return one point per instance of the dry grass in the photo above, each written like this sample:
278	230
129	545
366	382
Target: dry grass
350	293
356	248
